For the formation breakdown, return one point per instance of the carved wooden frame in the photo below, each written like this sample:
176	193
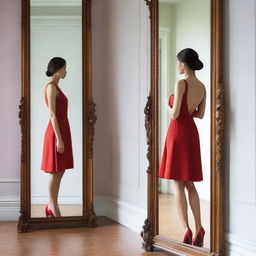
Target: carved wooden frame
26	223
150	232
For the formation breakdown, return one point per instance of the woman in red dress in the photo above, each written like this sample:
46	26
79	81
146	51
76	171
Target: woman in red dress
181	159
57	148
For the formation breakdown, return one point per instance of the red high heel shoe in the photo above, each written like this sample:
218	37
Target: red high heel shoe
48	212
199	239
188	237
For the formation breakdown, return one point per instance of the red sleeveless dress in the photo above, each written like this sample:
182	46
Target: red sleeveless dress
181	158
53	161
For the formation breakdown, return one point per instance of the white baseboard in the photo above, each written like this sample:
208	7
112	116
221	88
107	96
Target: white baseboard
9	208
9	181
125	213
237	246
61	199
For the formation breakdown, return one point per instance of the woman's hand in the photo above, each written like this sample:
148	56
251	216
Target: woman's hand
60	146
167	105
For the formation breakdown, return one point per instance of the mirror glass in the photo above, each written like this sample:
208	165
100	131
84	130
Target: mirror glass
184	24
56	31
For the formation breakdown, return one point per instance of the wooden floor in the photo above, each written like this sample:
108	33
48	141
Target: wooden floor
170	224
108	239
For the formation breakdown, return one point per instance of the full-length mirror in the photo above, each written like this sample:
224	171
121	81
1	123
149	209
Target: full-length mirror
184	137
57	115
184	120
56	42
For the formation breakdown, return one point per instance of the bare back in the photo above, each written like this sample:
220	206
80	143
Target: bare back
195	94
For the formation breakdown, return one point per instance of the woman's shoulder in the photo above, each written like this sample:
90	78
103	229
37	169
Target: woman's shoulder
51	88
202	86
199	85
180	84
48	85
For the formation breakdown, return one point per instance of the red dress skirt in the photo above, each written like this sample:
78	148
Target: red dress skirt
181	158
53	161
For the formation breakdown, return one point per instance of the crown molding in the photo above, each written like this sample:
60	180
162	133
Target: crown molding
170	1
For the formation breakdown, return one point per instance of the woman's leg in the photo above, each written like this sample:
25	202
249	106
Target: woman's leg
181	202
194	203
54	185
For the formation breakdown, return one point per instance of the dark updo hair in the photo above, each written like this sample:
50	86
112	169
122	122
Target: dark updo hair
190	57
54	65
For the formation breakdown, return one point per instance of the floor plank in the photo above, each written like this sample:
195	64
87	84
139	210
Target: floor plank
108	239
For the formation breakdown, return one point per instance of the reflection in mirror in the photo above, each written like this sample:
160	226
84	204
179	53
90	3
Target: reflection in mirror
56	167
184	158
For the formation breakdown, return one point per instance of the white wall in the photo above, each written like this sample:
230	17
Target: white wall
99	73
10	88
125	93
239	74
167	77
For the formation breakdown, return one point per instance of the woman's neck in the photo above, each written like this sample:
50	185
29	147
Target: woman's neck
55	80
188	74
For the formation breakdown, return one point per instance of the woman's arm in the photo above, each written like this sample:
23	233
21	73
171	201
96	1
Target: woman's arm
167	105
178	93
51	96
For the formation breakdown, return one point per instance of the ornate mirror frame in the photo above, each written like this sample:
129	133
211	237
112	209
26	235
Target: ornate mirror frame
150	232
26	223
